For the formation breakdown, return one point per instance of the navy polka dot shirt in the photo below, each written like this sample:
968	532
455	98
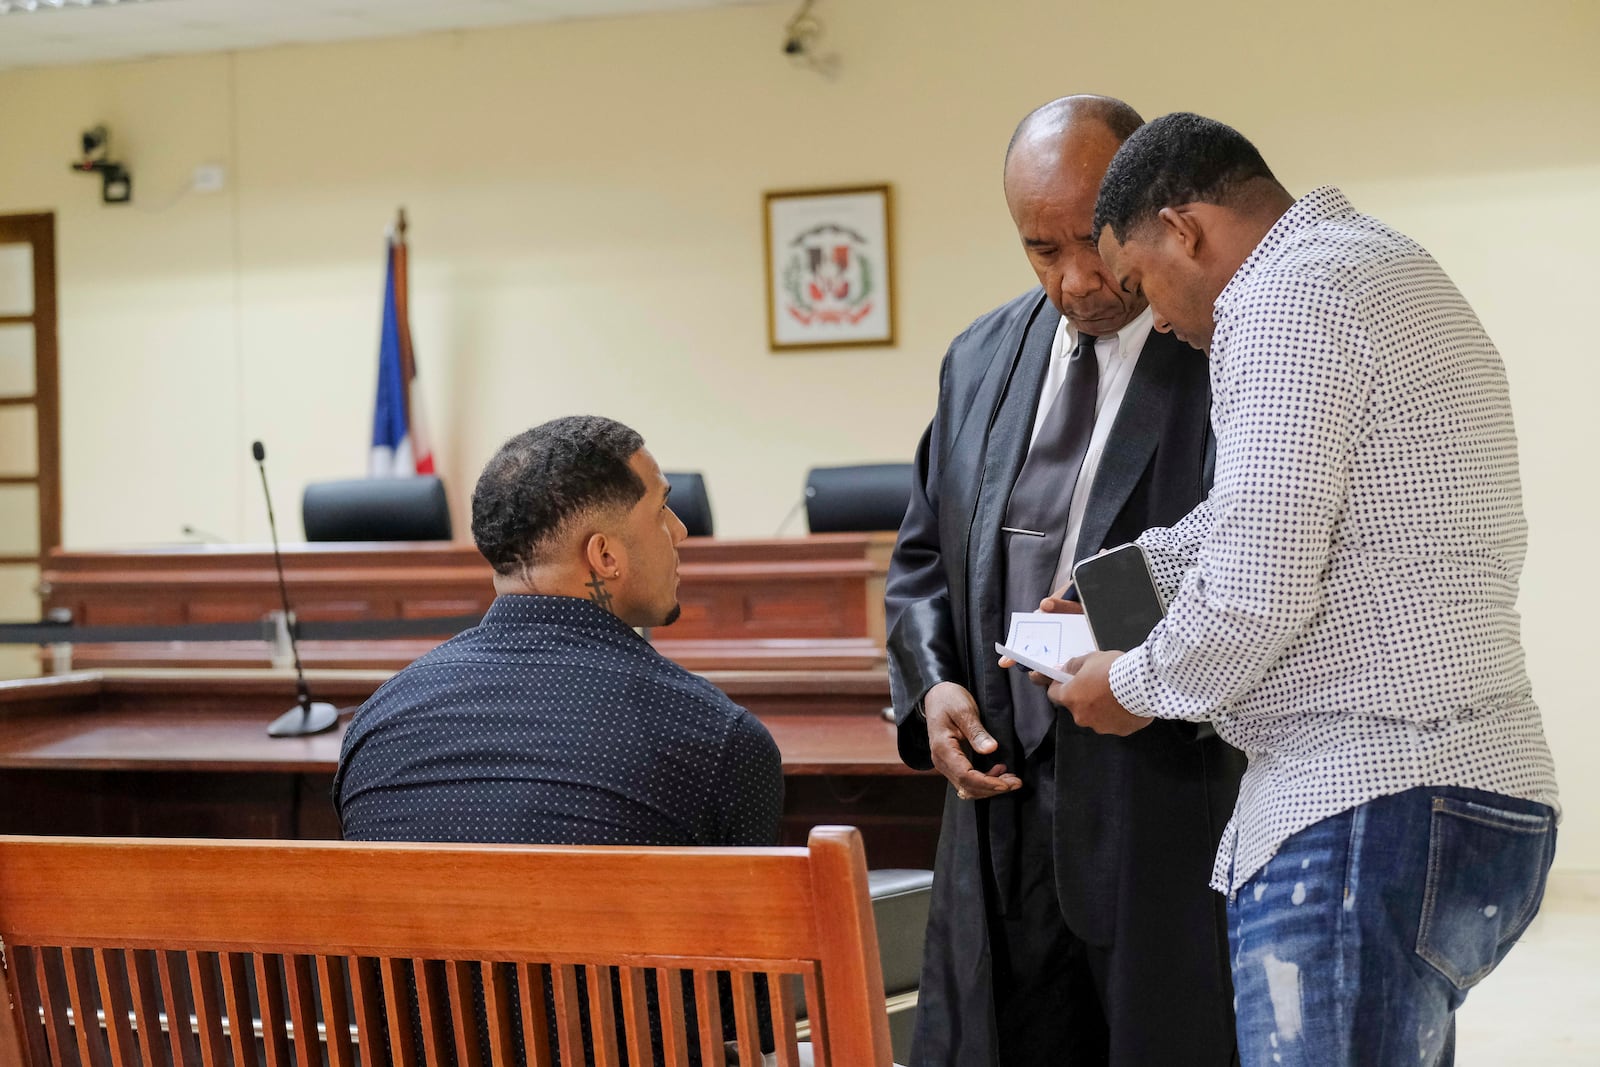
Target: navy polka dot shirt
552	722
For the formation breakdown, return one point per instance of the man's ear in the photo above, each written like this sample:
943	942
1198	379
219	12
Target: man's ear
1182	226
602	555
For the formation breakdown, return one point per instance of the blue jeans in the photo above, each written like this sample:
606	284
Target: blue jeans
1359	940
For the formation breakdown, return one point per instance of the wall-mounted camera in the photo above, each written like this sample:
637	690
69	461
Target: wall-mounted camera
116	184
802	35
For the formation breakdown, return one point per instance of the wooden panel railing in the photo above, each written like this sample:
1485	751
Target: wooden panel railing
826	586
141	952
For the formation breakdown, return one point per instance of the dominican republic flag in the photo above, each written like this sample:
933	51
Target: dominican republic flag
400	443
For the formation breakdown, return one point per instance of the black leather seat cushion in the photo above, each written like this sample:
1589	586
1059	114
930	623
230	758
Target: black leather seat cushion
900	907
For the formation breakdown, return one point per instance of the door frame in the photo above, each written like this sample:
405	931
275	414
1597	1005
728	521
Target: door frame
38	230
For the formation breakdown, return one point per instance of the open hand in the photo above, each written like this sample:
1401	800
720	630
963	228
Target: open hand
955	732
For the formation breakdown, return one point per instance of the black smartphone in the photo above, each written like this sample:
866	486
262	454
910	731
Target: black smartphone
1119	597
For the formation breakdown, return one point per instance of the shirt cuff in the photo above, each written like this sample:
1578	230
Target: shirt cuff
1127	683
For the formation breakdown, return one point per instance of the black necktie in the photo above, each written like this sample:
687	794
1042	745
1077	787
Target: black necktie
1040	502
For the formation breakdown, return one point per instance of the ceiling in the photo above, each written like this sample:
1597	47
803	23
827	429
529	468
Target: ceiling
71	31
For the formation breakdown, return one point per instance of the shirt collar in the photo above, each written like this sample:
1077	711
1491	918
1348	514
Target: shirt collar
523	608
1319	205
1124	338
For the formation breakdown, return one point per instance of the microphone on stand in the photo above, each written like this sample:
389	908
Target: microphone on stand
305	718
203	535
794	511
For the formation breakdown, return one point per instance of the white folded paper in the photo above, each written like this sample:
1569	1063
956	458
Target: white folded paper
1042	641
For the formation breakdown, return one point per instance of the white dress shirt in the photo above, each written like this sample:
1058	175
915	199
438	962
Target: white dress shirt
1117	355
1343	605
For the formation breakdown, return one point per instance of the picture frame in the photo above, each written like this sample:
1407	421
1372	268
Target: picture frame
830	267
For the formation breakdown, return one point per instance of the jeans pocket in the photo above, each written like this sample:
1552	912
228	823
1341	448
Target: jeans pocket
1486	876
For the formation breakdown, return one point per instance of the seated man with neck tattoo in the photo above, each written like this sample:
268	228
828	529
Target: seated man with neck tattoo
552	721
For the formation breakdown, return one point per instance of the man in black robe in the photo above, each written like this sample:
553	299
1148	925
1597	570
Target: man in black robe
1071	921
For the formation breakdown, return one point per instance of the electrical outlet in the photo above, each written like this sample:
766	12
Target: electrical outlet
208	178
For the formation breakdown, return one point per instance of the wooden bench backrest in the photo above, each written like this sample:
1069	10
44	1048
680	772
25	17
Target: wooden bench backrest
363	935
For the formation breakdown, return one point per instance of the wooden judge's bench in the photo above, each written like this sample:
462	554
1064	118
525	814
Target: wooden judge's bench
803	603
168	739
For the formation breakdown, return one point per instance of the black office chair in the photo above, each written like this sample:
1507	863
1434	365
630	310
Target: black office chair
376	509
900	899
855	499
689	501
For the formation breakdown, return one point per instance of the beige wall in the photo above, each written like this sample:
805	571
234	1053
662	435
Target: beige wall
586	235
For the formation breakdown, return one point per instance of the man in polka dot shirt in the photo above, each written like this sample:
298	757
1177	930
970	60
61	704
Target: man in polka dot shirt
1342	606
553	722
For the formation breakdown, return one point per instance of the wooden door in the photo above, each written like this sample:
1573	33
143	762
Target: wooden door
30	438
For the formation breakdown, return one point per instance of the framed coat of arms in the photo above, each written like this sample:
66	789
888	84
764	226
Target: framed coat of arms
830	268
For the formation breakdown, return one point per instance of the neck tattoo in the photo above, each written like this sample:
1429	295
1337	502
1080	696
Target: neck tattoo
598	592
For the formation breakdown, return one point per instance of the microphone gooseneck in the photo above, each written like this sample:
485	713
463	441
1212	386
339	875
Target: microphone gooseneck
794	511
307	717
260	454
203	535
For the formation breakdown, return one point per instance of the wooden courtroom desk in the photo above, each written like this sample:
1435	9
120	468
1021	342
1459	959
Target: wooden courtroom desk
185	753
783	653
811	602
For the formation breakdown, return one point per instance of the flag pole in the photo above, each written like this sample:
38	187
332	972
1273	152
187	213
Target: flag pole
421	442
402	308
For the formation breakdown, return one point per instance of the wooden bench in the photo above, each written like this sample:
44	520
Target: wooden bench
380	950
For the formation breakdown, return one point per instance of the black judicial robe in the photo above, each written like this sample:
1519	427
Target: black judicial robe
1138	818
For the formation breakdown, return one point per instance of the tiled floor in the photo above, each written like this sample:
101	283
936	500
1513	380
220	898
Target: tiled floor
1541	1007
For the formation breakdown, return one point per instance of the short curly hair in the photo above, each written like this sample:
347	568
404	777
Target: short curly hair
1180	158
544	478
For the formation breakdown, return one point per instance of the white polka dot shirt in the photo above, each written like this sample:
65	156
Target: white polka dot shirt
552	722
1342	606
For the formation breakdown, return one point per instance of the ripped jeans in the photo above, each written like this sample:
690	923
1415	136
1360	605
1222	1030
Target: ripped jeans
1359	940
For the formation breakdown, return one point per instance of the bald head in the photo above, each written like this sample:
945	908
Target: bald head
1049	123
1053	168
